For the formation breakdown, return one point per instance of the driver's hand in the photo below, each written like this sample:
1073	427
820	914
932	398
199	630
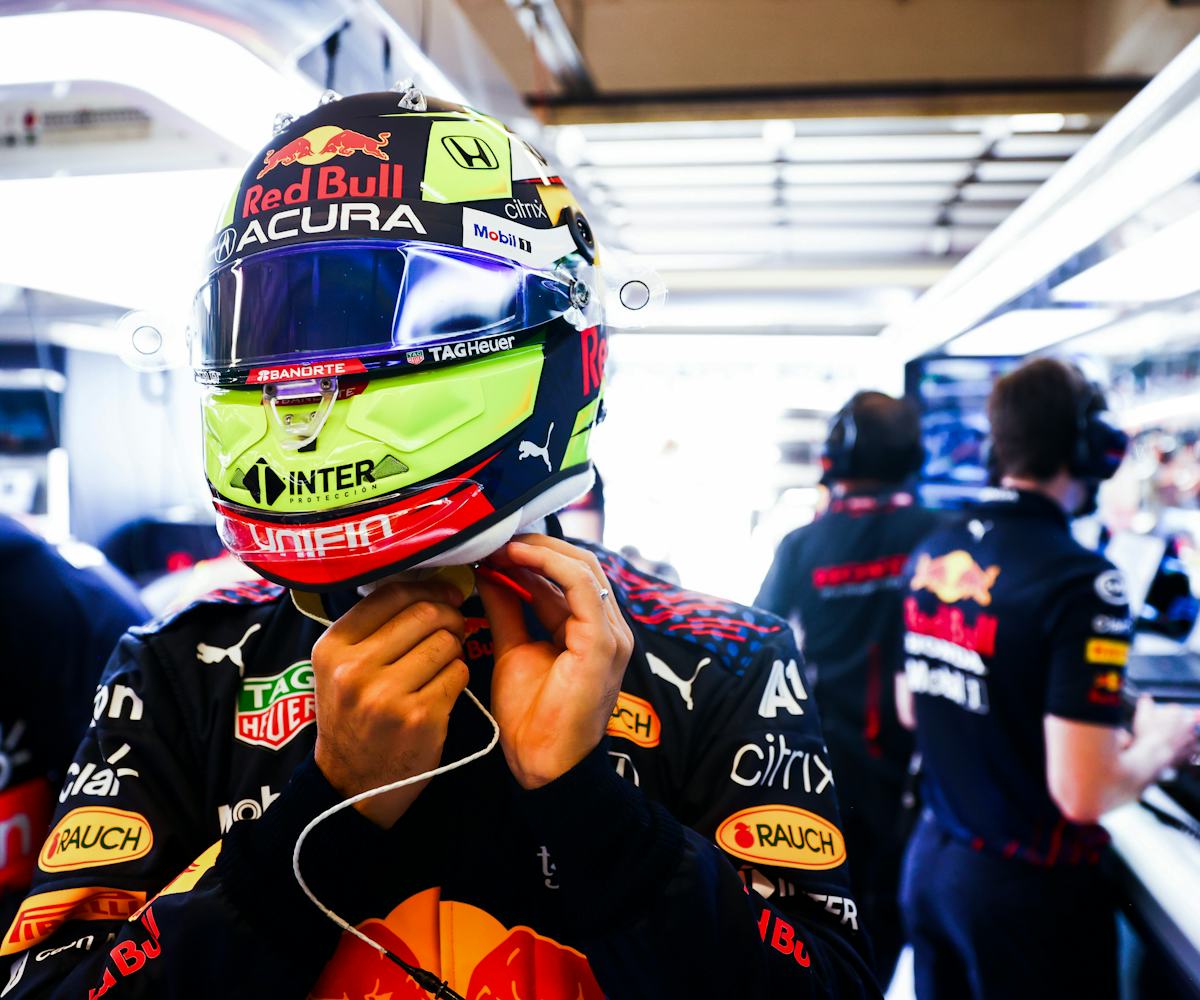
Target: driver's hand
388	673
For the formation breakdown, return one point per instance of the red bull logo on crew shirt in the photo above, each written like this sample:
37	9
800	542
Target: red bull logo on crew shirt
955	577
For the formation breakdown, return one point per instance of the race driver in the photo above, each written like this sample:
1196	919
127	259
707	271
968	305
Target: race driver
839	580
402	350
1016	644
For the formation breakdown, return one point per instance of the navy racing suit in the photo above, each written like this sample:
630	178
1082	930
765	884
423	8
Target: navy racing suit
695	853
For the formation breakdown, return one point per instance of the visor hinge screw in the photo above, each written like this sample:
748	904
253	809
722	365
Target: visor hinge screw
326	384
269	391
581	295
412	99
282	121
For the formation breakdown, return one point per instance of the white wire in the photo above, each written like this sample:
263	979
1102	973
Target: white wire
369	794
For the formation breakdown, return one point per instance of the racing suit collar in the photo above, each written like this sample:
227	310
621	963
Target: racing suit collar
1024	503
338	602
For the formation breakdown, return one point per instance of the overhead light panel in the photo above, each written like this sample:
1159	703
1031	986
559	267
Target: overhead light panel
1158	268
205	75
1024	331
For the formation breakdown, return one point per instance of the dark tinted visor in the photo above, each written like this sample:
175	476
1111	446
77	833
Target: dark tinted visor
362	298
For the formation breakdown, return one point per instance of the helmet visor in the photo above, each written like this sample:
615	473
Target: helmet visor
364	298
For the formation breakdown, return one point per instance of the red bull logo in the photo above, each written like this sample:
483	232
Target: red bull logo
322	144
461	944
955	577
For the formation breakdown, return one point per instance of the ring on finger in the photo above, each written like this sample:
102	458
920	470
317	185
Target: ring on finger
604	593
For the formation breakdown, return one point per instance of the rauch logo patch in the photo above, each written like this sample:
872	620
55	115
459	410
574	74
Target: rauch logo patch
272	710
634	718
782	835
92	836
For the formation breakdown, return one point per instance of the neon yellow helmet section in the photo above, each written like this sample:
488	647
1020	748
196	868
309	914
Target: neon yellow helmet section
396	432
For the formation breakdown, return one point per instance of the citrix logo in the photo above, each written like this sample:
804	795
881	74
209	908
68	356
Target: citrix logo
765	767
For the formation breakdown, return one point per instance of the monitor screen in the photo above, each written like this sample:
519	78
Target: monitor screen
29	420
951	395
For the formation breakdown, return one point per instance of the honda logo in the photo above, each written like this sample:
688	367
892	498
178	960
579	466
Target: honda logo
470	152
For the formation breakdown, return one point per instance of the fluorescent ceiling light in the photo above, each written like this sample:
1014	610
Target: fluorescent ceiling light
1159	411
1158	268
1037	123
876	173
1023	331
699	196
716	213
887	147
793	240
206	76
659	176
1063	145
678	151
870	193
143	244
997	192
1015	170
979	215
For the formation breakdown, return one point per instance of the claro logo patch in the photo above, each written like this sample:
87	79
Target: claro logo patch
634	718
93	836
782	835
272	710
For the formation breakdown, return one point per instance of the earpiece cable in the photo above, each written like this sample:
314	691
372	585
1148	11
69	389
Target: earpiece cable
439	990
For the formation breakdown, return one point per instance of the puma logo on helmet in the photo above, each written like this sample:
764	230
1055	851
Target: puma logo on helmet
528	449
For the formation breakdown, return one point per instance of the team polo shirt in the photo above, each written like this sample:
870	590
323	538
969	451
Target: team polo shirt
841	578
1008	619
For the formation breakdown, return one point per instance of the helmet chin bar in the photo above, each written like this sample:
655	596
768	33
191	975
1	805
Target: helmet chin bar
300	427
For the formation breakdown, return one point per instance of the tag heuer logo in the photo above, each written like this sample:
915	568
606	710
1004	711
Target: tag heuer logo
415	357
272	710
470	152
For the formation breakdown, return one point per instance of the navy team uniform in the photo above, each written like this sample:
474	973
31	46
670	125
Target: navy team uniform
694	853
842	578
1008	620
59	624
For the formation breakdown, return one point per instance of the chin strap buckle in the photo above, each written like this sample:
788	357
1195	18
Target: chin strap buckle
299	409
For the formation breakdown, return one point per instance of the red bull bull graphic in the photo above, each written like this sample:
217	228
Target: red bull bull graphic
468	947
955	577
322	144
1106	688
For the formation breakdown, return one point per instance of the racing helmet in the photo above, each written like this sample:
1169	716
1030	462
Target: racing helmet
400	342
